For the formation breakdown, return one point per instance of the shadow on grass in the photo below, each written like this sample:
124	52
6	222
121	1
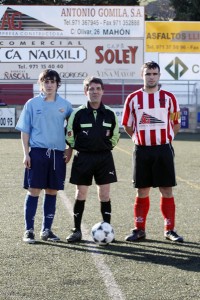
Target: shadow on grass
183	256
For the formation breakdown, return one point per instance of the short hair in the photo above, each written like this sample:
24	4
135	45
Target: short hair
50	74
88	80
150	65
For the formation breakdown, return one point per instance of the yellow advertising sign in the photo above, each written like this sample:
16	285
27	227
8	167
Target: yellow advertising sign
182	37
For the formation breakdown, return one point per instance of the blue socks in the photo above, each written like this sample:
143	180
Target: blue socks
30	207
49	209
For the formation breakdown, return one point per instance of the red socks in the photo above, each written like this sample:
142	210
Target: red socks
141	209
167	207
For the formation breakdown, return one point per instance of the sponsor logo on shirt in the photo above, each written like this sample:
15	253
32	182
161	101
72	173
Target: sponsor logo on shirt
148	119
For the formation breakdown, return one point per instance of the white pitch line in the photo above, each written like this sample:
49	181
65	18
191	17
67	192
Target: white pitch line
113	289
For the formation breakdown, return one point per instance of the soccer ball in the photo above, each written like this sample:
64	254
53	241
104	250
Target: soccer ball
102	233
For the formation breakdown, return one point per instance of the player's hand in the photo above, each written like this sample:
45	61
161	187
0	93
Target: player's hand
68	154
27	161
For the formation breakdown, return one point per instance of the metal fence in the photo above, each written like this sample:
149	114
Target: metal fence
116	91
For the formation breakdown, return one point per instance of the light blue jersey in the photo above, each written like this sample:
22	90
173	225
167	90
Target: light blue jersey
44	122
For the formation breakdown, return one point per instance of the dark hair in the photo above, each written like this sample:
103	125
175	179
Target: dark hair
51	75
88	80
150	65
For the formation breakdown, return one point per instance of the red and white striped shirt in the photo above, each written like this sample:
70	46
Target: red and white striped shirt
151	116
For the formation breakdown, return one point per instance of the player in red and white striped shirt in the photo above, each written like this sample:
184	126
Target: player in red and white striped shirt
151	117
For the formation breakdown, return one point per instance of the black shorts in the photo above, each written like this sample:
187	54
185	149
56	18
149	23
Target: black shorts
87	165
153	166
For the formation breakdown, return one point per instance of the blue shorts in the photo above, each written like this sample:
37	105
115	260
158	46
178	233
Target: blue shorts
48	169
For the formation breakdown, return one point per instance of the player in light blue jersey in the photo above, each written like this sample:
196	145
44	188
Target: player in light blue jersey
43	141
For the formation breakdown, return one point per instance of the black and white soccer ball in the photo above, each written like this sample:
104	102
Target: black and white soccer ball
102	233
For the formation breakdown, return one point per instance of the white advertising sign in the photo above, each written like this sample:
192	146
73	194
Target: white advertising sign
179	66
7	117
72	21
18	55
72	59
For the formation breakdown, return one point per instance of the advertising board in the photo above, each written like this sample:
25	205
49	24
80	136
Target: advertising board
179	66
176	37
72	59
7	117
107	41
72	21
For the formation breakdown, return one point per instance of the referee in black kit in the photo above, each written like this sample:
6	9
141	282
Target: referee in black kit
93	131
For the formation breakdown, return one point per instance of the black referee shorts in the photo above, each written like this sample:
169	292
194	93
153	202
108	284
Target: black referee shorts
153	166
89	165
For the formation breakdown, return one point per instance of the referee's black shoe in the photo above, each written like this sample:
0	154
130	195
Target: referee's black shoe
136	234
75	236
